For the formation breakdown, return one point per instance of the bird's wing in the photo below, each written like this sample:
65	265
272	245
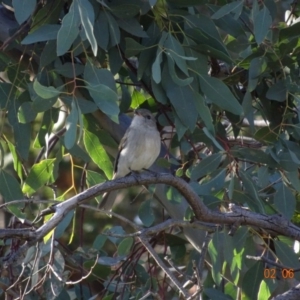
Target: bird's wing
122	145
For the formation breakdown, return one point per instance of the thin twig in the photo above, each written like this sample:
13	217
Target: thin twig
163	267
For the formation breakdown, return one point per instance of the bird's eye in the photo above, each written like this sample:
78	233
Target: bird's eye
148	117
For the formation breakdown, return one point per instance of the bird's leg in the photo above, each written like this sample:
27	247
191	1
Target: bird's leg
134	174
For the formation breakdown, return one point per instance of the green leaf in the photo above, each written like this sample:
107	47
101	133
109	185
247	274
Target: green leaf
71	126
175	51
26	113
215	250
45	92
101	30
114	31
99	241
93	178
97	153
125	246
184	3
23	9
132	47
215	294
173	195
177	80
137	99
252	280
204	113
39	175
116	240
262	21
17	162
85	106
9	187
285	201
156	70
286	255
44	33
266	135
257	66
206	166
264	291
67	69
294	179
63	225
211	187
125	10
290	32
235	7
69	30
80	153
6	89
251	190
133	27
212	138
218	93
106	99
22	135
277	91
183	100
115	59
48	14
86	13
146	213
98	271
159	92
95	76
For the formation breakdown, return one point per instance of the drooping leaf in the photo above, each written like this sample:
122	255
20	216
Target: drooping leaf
26	113
86	14
44	33
40	174
146	213
218	93
233	7
46	92
114	31
5	91
206	166
249	188
262	22
9	187
101	86
255	276
133	27
71	126
204	113
290	32
101	30
125	246
183	100
285	201
69	30
132	47
277	92
215	250
286	255
97	152
23	9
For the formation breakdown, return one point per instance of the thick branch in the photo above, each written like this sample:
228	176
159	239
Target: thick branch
274	223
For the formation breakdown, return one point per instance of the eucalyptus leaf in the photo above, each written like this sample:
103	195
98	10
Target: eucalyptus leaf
40	174
218	93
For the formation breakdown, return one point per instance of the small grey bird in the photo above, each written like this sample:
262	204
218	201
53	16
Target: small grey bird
138	149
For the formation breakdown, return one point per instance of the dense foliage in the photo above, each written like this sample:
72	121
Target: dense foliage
222	79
